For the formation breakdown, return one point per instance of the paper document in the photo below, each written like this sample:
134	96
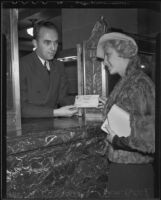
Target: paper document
87	101
118	120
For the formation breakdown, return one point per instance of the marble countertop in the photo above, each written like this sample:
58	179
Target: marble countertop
63	158
40	133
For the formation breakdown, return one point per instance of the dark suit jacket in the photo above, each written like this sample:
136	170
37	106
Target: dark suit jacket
41	92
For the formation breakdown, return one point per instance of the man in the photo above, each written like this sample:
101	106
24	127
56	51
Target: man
43	82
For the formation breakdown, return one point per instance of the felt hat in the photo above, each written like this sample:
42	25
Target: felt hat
113	36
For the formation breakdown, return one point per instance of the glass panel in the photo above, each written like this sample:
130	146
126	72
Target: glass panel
6	57
147	54
148	64
94	72
10	62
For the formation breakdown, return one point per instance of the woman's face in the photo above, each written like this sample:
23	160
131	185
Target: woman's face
115	63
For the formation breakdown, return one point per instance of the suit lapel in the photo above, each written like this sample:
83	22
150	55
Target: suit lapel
41	72
54	83
49	82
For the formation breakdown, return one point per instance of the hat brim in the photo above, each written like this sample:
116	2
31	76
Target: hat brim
100	51
111	36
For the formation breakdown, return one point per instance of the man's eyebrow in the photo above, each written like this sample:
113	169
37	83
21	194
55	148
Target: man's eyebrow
50	41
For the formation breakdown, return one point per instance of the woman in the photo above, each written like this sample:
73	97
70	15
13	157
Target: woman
131	171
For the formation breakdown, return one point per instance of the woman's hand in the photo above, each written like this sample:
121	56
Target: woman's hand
102	102
109	137
110	133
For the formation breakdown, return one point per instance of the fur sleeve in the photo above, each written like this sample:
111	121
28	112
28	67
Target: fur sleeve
142	119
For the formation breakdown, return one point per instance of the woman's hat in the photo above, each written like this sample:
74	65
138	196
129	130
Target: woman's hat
113	36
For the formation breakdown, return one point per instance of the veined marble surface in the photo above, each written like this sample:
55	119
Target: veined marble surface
40	133
58	158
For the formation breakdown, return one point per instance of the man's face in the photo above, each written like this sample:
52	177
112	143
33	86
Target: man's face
47	43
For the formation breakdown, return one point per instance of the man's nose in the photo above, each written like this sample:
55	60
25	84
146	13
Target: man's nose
53	46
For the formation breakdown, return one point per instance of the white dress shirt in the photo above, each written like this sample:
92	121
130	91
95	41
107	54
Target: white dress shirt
43	62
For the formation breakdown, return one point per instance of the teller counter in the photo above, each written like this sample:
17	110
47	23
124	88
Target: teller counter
57	158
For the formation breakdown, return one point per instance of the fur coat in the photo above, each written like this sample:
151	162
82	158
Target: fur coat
135	93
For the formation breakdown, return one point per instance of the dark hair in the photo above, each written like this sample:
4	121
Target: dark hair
46	24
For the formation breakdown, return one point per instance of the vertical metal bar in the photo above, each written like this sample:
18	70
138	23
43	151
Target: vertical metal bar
104	81
79	70
157	164
15	67
84	68
79	74
84	78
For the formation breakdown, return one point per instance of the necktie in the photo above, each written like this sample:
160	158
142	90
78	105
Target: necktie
45	65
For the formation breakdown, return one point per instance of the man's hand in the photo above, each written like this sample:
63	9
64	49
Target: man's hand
65	111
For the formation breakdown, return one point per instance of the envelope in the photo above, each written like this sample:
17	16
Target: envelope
117	120
86	101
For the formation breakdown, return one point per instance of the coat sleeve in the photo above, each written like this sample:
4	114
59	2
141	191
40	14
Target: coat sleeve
29	110
64	97
142	121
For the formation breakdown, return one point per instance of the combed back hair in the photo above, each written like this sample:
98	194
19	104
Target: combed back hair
46	24
125	48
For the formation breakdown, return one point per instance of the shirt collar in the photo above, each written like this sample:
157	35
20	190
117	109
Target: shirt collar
43	62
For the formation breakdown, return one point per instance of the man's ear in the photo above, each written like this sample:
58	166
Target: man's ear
34	42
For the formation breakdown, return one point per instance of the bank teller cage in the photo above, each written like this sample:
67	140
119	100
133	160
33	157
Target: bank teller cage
94	79
91	75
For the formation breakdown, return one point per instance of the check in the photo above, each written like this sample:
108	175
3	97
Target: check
87	101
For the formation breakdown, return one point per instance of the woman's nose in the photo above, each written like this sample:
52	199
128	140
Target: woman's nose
105	62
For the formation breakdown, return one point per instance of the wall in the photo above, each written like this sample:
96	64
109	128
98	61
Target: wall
149	22
77	23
